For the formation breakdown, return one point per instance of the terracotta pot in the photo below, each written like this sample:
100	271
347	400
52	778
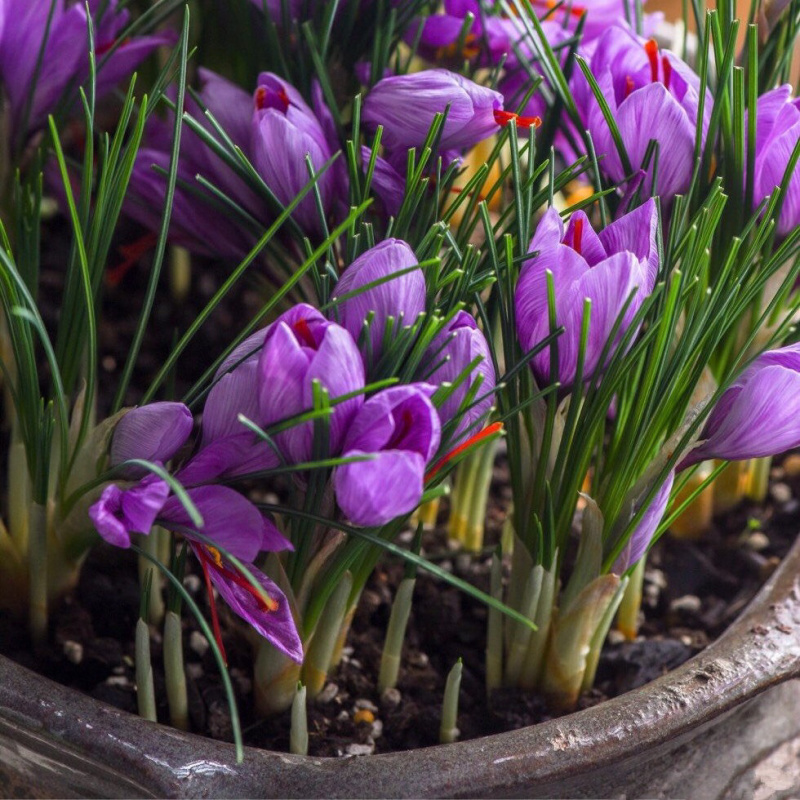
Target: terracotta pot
724	725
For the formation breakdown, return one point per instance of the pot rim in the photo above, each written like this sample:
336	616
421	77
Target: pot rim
759	650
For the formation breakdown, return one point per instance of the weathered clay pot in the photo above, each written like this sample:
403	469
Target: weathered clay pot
724	725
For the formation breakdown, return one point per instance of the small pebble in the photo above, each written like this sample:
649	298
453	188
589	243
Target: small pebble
689	603
377	729
781	493
242	680
328	693
656	577
347	652
362	704
391	698
687	640
118	670
463	563
117	680
343	716
615	637
198	643
73	651
194	670
192	584
791	465
360	749
354	663
758	541
418	659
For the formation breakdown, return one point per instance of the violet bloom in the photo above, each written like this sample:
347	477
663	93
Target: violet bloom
639	541
286	132
400	428
153	432
65	55
777	133
651	95
300	348
475	111
598	16
395	302
606	268
758	415
457	346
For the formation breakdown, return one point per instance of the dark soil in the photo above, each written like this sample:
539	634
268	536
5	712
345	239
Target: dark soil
693	590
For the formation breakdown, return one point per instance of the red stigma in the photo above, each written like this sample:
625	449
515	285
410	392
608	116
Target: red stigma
303	333
502	118
275	99
628	86
651	48
667	67
495	427
212	604
577	234
131	254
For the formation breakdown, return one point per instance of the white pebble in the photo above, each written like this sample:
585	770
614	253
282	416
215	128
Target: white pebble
194	670
192	584
198	643
688	602
780	492
360	749
328	693
615	637
117	680
362	704
758	541
391	697
73	651
377	729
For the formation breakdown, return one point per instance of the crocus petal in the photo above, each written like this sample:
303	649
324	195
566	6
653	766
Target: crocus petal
636	232
234	393
402	297
377	491
275	623
154	432
229	519
641	537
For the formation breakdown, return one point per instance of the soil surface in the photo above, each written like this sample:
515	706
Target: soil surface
692	591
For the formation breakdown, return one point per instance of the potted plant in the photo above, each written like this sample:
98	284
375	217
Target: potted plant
577	241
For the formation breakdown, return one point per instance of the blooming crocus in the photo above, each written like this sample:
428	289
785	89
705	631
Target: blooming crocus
758	415
153	432
397	300
302	348
651	95
400	429
777	133
459	355
598	16
612	268
58	32
287	133
406	106
639	541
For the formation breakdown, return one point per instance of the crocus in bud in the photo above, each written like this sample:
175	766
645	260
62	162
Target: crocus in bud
639	541
399	427
406	105
300	348
397	300
777	133
651	95
286	133
758	415
153	432
459	355
612	268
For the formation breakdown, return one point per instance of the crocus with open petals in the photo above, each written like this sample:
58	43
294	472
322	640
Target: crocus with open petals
608	268
300	348
398	300
758	415
651	95
399	427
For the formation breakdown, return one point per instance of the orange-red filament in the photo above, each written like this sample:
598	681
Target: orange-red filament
502	118
495	427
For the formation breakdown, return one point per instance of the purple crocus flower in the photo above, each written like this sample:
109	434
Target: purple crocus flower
777	132
475	111
399	299
758	414
457	346
606	268
285	133
65	55
640	539
400	428
300	348
153	432
651	95
598	16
